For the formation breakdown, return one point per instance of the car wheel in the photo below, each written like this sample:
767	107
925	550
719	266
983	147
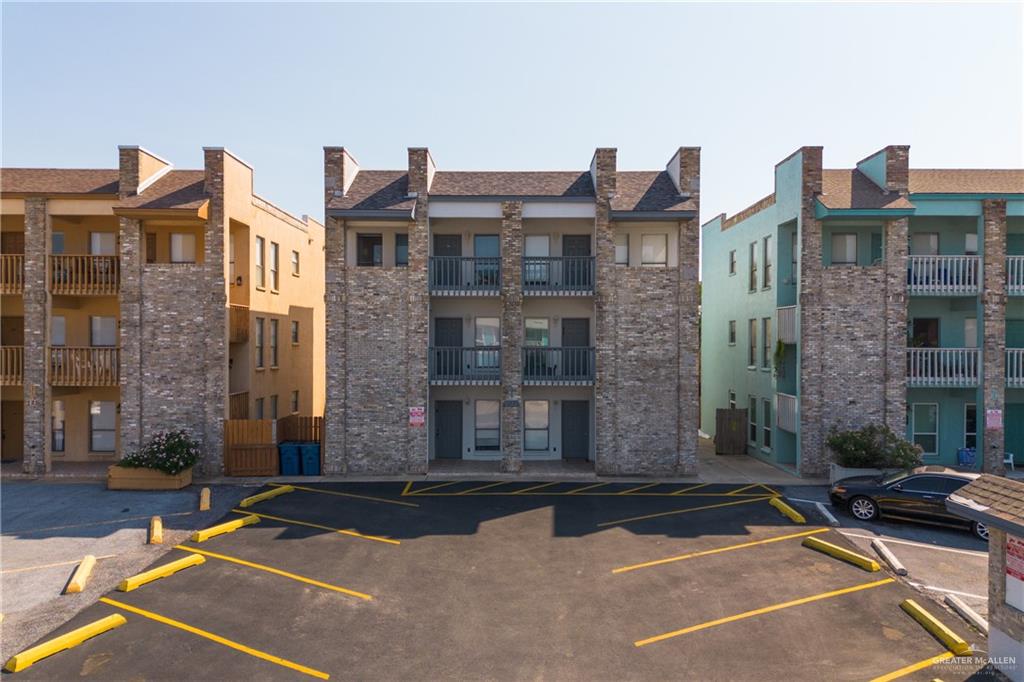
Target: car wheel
980	531
864	508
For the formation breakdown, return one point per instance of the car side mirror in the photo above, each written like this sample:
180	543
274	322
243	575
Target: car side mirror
898	486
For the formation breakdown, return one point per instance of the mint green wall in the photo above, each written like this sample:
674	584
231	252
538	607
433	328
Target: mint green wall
787	264
874	168
951	313
952	403
869	249
952	231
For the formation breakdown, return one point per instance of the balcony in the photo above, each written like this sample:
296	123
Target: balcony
238	324
464	276
1015	367
86	366
12	365
943	367
943	275
1015	275
558	275
238	405
788	330
84	275
786	412
546	366
479	366
12	273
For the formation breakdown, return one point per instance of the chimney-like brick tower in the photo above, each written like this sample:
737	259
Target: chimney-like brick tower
684	168
340	169
603	171
137	166
421	170
897	168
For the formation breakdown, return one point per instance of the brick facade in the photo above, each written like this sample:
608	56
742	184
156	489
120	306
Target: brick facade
993	301
511	336
37	305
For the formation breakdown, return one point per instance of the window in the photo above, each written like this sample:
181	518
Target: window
183	248
486	246
767	258
369	250
942	485
844	249
150	247
537	246
273	407
621	248
970	332
295	332
487	335
537	332
732	332
57	426
486	427
752	280
102	426
732	262
57	330
924	244
295	263
925	425
258	411
259	344
57	242
231	259
401	249
273	343
732	399
295	402
766	424
766	342
274	265
752	421
102	243
654	249
971	243
752	343
102	331
970	425
261	278
536	420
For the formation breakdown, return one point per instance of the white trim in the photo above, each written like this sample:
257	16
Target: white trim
155	176
559	209
916	544
914	432
464	209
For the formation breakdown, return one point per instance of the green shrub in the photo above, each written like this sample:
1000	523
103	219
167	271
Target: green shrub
873	447
171	452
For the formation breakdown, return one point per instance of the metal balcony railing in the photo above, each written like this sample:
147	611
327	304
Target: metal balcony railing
943	275
942	367
458	365
1015	275
455	275
558	275
12	273
788	331
786	412
85	366
84	275
568	365
12	365
1015	367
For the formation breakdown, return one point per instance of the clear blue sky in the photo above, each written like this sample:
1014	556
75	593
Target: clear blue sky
512	86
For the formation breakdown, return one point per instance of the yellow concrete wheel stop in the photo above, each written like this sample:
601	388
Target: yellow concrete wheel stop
137	581
793	514
229	527
26	658
838	552
249	501
950	639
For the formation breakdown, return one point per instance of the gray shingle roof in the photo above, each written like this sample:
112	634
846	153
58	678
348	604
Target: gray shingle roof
967	181
59	180
178	189
851	189
995	496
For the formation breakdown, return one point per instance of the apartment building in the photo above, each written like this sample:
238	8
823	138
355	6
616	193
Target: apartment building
144	298
880	294
511	317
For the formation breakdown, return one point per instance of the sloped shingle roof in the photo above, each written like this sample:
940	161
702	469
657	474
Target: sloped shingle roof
59	180
376	191
512	183
851	189
178	189
645	191
967	181
1002	498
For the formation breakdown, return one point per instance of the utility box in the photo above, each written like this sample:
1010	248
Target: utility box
731	432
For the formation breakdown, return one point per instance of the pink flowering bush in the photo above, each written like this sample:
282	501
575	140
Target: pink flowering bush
170	452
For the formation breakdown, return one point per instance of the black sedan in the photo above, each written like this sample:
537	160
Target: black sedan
916	495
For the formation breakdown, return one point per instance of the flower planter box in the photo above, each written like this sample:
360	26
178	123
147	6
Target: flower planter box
836	472
137	478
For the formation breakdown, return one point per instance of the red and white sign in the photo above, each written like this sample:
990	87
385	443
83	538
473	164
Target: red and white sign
417	416
993	419
1015	572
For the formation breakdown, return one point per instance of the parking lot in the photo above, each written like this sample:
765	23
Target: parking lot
478	580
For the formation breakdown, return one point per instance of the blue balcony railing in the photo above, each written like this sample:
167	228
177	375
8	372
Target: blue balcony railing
458	365
558	275
546	365
455	275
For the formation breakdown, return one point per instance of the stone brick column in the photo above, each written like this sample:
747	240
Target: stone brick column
336	297
689	347
511	336
813	459
417	338
896	250
216	351
37	323
993	301
130	301
606	437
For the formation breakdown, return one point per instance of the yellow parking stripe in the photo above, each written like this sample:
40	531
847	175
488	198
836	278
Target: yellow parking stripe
770	489
682	511
535	487
761	611
633	490
482	487
343	531
340	494
216	638
686	490
682	557
914	667
405	490
276	571
739	490
586	487
432	487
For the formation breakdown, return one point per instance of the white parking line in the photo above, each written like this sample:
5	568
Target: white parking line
945	591
968	552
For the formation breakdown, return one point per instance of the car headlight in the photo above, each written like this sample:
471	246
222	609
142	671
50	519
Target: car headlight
838	489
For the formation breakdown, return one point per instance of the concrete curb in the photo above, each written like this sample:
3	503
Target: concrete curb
967	613
895	564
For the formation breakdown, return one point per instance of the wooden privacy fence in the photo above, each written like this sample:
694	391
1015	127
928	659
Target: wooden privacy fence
250	448
304	429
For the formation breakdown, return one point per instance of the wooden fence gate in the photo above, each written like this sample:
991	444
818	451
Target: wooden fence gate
250	448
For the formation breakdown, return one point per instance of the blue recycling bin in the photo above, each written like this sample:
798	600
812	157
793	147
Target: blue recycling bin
289	458
310	455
